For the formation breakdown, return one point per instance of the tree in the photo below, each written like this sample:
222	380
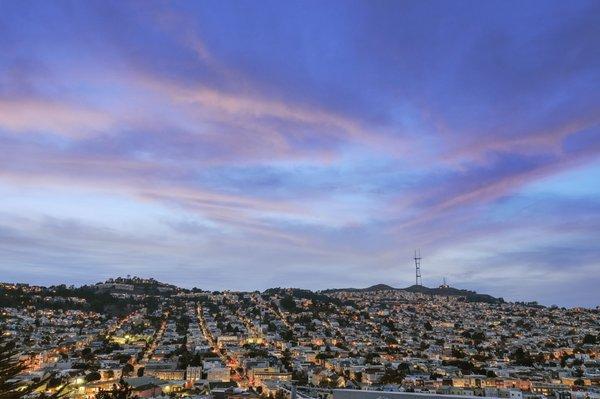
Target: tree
589	339
87	354
522	357
196	360
127	370
478	336
393	376
288	303
10	367
122	390
286	359
93	376
458	353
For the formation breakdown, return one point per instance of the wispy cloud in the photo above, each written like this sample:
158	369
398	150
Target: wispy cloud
314	151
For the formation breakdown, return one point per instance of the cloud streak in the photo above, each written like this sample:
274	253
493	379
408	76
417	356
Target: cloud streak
310	145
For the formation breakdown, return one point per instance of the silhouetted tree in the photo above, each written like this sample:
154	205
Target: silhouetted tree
10	367
122	390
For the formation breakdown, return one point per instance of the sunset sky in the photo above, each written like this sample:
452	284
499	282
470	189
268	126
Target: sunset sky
314	144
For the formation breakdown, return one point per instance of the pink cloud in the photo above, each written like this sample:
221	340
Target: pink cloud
37	115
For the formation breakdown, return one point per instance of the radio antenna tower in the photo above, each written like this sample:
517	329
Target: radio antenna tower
418	279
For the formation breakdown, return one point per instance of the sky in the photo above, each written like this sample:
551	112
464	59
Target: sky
315	144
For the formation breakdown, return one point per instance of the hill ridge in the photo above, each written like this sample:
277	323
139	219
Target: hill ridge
470	296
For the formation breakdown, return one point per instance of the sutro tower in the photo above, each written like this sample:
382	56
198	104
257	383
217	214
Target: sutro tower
418	279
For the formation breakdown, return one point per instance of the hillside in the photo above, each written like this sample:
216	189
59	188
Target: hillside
470	296
135	285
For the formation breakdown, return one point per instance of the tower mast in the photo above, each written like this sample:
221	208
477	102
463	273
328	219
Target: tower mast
418	279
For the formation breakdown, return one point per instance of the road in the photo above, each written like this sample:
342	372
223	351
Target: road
239	378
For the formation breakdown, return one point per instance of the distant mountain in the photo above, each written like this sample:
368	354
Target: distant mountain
379	287
138	285
373	288
470	296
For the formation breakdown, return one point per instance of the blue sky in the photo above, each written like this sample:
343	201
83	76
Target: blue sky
244	145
